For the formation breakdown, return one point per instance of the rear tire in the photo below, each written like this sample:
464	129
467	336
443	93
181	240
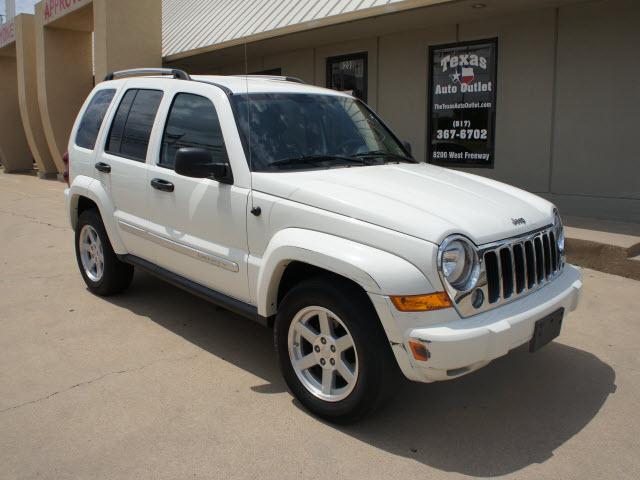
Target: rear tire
100	267
344	370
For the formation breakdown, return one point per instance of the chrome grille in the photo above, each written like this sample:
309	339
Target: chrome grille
519	266
513	268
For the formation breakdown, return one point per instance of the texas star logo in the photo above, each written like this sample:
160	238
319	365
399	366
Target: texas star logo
462	70
463	67
463	75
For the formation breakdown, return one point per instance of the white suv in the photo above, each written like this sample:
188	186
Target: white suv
297	207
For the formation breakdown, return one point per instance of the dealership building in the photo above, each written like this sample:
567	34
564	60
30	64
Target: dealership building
541	94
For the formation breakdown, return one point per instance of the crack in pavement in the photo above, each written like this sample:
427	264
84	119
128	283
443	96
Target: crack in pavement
97	379
35	220
37	277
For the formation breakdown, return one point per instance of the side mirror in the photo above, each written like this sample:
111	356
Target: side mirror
198	163
407	147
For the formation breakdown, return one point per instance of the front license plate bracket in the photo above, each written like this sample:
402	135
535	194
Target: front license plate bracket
546	329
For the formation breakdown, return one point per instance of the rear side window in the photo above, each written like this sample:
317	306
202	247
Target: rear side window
93	117
192	122
132	125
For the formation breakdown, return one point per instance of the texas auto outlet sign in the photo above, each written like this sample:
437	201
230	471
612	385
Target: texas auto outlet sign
7	34
57	8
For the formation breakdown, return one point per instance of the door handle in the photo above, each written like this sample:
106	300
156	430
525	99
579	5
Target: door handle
103	167
163	185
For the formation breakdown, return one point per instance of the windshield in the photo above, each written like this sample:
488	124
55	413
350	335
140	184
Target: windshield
302	131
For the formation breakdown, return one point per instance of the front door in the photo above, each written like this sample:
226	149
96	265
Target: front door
199	224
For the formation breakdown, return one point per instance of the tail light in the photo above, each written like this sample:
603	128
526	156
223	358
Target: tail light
65	174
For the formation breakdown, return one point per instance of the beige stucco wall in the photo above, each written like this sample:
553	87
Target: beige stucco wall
596	154
28	94
298	63
14	151
65	77
127	34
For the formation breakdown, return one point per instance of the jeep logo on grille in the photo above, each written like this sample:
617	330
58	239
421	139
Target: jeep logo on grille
518	221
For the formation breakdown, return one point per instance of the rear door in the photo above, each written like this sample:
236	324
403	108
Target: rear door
198	223
121	165
85	134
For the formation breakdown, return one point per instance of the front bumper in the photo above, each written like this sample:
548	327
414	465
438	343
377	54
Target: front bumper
459	346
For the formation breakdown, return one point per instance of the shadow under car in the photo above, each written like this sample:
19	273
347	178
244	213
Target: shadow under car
510	414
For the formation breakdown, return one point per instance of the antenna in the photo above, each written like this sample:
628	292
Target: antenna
254	210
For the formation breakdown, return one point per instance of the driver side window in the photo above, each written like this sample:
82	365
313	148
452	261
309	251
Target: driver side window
192	122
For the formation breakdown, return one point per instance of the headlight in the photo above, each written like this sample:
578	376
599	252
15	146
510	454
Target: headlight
458	263
559	232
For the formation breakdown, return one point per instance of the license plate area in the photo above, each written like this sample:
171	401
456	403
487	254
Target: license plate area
546	329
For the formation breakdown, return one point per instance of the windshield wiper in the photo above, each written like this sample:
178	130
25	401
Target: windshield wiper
382	153
314	159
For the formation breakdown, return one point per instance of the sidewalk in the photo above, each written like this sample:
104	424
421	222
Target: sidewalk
607	246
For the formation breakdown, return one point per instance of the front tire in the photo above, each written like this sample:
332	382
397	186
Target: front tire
333	352
100	267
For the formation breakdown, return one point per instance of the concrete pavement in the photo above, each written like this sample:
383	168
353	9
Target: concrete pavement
159	384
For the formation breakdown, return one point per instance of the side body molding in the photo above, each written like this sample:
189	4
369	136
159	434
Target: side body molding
84	186
376	271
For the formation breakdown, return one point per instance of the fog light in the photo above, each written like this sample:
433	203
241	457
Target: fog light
478	298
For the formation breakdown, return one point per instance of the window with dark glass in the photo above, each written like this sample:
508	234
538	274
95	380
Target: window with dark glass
93	117
462	103
283	126
348	73
192	122
132	125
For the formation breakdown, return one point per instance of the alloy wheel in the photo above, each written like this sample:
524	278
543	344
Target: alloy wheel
323	353
91	253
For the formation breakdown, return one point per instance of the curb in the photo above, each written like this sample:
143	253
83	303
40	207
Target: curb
606	258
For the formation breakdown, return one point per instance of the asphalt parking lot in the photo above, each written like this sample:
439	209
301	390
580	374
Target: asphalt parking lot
157	383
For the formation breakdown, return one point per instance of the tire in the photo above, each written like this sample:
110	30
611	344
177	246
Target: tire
114	276
371	363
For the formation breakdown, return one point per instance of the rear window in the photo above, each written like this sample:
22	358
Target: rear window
93	117
133	122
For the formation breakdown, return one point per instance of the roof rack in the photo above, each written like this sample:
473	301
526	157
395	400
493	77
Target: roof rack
274	77
179	74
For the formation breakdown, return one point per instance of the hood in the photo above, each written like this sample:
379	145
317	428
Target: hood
420	200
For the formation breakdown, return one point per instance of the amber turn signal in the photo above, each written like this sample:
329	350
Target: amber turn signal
422	303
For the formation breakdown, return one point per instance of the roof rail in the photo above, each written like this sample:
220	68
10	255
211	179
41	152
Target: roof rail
294	79
225	89
275	77
179	74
